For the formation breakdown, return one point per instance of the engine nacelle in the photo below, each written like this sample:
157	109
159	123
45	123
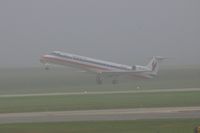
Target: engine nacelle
139	68
134	67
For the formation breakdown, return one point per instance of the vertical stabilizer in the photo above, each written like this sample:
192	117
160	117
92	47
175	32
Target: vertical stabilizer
153	65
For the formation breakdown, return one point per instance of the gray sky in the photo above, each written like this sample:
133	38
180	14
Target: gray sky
123	31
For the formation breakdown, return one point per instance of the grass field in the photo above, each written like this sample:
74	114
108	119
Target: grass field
106	101
37	80
140	126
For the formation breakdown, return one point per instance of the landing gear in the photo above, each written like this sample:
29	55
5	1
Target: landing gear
99	79
46	67
115	81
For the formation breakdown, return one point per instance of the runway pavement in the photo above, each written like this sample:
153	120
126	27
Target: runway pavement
101	92
99	115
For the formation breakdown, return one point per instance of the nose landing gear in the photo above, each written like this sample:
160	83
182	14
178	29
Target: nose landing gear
46	67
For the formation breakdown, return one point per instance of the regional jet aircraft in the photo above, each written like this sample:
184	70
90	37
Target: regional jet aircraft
102	68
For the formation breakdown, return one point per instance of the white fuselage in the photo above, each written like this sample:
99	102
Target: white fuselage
82	62
100	66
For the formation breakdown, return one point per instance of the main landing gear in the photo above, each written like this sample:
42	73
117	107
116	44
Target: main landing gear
115	81
99	79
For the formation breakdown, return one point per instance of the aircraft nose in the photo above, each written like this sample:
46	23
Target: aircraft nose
44	56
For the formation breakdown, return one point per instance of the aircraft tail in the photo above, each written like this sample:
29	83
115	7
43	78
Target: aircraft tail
153	65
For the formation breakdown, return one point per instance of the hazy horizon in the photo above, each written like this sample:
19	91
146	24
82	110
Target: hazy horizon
127	32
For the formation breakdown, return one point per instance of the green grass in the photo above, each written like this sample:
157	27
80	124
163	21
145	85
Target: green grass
139	126
37	80
107	101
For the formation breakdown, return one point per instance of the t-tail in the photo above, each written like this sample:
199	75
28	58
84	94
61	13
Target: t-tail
153	65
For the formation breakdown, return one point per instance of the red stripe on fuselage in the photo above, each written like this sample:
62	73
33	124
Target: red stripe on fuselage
62	61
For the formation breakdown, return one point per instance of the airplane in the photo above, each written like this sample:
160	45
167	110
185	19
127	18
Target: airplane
102	68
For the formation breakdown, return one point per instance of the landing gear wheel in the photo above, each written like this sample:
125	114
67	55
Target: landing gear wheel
99	79
115	81
46	67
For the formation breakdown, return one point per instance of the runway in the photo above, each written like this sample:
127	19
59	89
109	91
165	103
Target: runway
101	92
102	115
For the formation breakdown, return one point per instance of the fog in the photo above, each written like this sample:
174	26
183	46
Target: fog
122	31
